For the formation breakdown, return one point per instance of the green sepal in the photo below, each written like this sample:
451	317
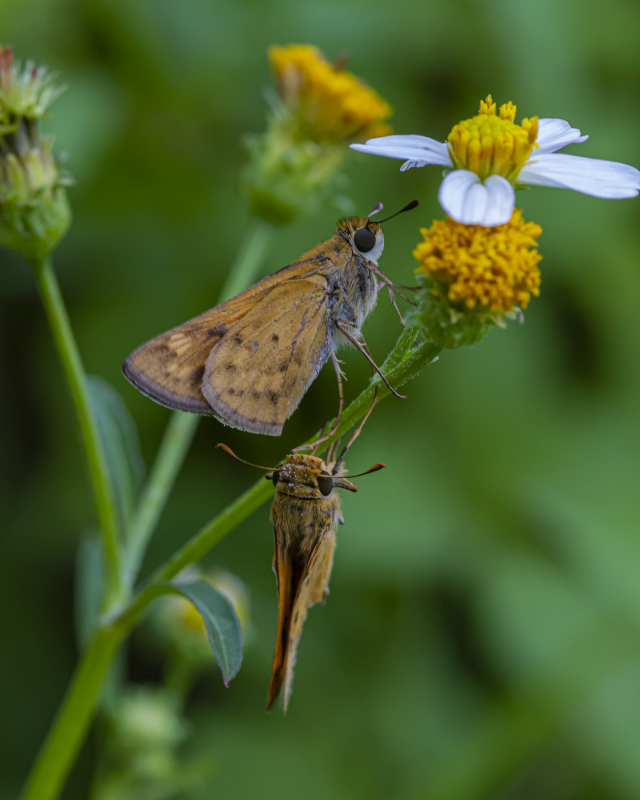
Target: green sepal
445	323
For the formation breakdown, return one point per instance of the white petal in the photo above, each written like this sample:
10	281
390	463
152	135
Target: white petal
409	164
554	134
466	199
408	148
408	140
608	179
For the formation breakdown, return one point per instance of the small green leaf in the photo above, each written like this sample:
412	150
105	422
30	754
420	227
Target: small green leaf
119	437
223	625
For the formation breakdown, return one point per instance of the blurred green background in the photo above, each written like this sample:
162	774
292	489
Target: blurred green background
482	637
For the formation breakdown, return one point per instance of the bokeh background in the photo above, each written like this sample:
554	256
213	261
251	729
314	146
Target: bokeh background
482	637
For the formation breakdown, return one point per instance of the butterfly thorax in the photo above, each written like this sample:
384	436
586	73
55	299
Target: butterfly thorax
351	283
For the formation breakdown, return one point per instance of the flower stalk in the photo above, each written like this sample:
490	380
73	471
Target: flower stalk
72	365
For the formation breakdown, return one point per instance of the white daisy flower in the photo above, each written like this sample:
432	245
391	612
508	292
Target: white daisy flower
489	156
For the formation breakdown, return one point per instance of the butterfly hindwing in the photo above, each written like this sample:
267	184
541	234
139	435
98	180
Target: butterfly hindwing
258	372
169	369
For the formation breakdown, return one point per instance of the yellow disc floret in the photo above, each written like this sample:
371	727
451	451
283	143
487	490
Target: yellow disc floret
490	268
491	143
331	104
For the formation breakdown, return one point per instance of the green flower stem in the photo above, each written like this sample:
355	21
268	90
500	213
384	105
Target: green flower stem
72	365
173	449
249	260
182	427
74	717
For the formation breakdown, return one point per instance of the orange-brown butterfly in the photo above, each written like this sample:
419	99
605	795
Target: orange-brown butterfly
305	515
249	361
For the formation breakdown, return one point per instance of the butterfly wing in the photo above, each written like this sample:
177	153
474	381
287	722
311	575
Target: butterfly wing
169	369
258	372
300	586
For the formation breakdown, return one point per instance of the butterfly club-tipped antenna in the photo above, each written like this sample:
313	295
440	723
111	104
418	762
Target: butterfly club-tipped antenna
393	287
409	207
343	480
230	452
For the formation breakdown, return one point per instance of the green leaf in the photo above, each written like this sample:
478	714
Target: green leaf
119	437
223	625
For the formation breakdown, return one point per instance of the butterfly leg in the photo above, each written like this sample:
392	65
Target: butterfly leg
342	327
394	286
336	423
354	436
395	305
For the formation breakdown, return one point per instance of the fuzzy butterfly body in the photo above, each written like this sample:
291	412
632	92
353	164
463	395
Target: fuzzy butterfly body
305	516
249	361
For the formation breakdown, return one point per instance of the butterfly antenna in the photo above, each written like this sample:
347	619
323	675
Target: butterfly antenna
376	210
230	452
374	468
413	204
356	433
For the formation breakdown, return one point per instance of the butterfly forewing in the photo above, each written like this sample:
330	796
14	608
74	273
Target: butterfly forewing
170	368
258	372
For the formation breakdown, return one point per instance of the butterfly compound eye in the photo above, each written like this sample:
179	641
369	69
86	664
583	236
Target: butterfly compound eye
325	484
364	240
275	477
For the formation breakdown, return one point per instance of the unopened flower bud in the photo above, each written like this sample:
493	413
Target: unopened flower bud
318	109
34	212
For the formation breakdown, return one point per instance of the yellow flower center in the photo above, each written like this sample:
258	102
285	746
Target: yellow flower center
332	104
494	267
493	145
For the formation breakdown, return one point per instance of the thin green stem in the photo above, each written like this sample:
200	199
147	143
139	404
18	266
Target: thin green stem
74	717
72	365
249	260
173	449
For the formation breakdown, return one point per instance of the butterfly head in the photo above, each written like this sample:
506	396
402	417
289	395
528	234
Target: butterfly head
303	476
364	236
308	476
